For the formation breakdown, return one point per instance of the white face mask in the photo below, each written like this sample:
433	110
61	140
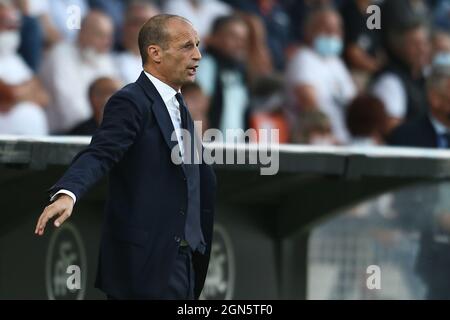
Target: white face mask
93	57
9	42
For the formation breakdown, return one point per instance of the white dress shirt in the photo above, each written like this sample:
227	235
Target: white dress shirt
167	94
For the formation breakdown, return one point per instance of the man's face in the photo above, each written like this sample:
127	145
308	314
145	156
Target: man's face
232	40
440	103
417	48
97	34
441	43
9	19
328	24
179	60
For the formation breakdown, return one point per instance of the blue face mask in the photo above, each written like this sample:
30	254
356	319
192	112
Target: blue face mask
328	46
442	59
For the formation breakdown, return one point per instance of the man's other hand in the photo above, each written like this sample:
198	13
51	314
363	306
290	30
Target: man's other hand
62	208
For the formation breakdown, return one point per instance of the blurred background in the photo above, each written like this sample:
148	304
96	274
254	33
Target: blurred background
322	72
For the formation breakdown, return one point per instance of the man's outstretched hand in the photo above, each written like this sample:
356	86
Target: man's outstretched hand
62	208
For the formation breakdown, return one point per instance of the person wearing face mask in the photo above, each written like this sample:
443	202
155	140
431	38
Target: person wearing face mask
70	68
317	77
21	94
440	43
431	130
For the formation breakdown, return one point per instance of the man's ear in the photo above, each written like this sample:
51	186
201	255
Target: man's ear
154	53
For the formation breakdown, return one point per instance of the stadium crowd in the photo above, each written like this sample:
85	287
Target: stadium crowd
317	70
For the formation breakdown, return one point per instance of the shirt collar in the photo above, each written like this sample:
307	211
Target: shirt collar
438	126
165	91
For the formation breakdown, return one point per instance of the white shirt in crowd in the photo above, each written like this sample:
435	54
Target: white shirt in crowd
67	72
167	94
129	66
25	118
332	82
201	17
389	89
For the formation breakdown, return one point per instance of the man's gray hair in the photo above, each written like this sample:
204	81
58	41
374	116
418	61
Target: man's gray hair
155	32
438	77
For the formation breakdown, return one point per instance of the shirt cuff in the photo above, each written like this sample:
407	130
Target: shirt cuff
64	191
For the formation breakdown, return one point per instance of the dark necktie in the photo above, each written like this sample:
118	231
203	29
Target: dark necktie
183	111
192	231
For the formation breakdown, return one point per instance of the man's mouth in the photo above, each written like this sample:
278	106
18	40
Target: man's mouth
193	70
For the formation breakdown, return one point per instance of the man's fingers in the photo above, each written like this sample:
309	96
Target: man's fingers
38	225
63	217
48	213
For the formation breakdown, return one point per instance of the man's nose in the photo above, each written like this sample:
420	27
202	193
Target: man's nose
198	54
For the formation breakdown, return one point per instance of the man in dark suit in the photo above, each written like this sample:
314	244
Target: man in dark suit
421	208
157	229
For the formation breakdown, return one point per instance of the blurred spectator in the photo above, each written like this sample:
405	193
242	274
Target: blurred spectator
31	35
40	9
400	14
298	10
64	13
129	62
198	105
21	95
99	93
201	13
69	69
277	25
401	84
221	73
367	120
430	131
258	56
317	77
313	127
115	9
440	48
266	109
362	45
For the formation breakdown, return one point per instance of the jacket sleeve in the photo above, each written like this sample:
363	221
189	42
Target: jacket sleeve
122	123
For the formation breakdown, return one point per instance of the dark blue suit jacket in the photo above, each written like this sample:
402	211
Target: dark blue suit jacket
418	133
147	193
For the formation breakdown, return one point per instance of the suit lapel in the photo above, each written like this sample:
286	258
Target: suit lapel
159	110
